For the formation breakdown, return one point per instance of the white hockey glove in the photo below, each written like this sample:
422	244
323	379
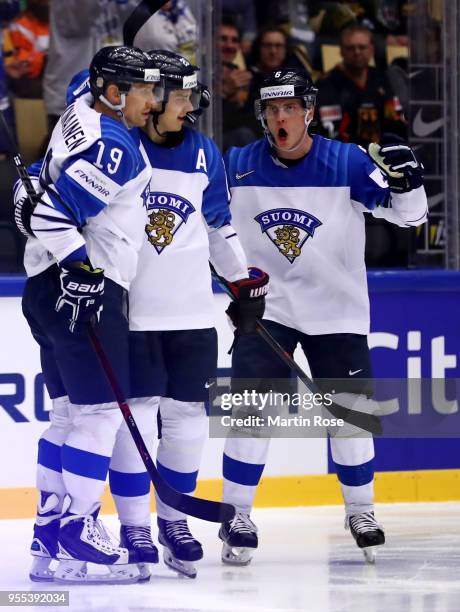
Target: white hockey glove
81	294
398	163
24	205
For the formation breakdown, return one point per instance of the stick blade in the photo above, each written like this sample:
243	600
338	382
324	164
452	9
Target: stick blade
204	509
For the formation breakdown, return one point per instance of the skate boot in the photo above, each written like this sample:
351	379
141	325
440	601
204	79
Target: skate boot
240	538
180	547
83	539
139	540
44	543
367	533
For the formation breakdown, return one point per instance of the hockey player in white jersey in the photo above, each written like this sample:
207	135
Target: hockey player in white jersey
88	229
173	343
297	204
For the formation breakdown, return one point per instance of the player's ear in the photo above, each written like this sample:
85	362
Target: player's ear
112	93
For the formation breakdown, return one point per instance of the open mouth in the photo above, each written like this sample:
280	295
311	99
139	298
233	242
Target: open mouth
282	134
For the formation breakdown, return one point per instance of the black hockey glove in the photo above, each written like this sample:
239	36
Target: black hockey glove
398	163
249	300
81	294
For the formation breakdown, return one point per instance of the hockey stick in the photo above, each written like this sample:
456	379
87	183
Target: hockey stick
204	509
23	176
138	17
368	422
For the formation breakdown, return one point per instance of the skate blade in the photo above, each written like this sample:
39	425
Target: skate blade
370	553
144	572
236	555
76	572
41	571
184	568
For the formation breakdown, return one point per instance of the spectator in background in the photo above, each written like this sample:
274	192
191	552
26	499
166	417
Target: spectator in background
173	28
355	100
244	15
78	28
237	119
385	18
272	50
356	103
9	9
29	37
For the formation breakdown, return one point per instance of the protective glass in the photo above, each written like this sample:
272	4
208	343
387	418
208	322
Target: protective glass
147	90
290	109
184	98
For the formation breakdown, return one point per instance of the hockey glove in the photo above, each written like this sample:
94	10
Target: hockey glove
398	163
81	294
24	205
249	300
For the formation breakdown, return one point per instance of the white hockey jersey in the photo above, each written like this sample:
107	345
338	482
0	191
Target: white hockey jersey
304	225
95	185
188	197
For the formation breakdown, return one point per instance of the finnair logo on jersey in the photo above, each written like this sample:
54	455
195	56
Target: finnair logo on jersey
90	182
93	180
169	212
288	229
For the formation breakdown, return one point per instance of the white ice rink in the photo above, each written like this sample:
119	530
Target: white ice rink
306	561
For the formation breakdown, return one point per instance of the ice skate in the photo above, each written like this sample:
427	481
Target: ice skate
367	533
139	540
44	543
240	539
180	547
83	539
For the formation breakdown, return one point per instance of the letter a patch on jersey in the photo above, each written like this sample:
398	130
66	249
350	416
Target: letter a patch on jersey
167	212
288	229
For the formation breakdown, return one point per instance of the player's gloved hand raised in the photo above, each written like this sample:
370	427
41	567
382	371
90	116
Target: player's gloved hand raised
398	162
81	294
249	300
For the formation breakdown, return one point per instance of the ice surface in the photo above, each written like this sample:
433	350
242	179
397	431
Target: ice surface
306	561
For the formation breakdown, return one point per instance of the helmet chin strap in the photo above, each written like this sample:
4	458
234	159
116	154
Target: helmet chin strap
118	108
156	121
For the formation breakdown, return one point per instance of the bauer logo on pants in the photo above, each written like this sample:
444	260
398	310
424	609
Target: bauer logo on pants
167	212
288	229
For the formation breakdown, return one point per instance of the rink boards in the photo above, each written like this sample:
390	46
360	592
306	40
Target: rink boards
415	329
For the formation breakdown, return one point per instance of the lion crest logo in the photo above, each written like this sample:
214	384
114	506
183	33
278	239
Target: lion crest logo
167	212
287	240
161	227
288	229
